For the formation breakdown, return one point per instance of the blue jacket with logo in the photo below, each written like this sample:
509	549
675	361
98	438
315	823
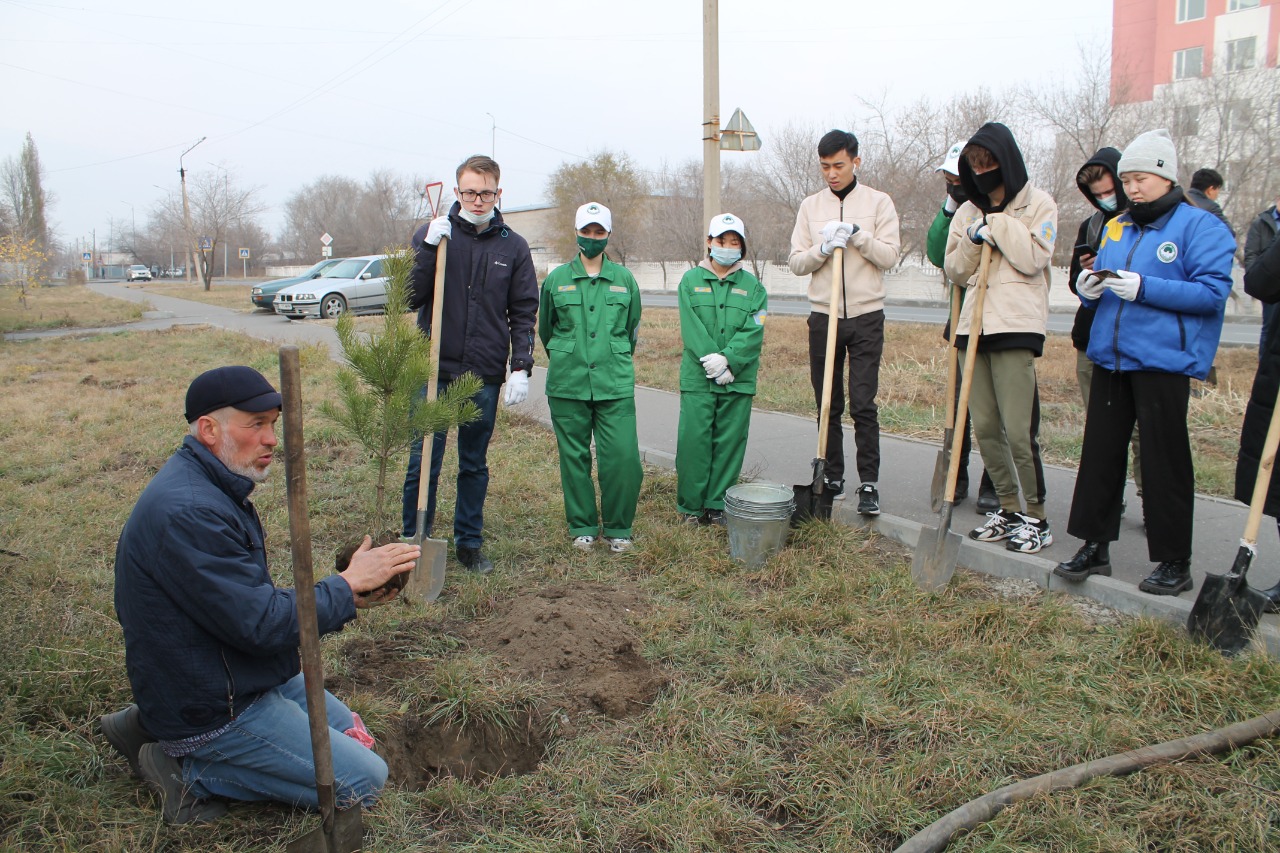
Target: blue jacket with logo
1173	326
205	630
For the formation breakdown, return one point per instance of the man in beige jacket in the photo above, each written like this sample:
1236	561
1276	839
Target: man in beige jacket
863	222
1020	223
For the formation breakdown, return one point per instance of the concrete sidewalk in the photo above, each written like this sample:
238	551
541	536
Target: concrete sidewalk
781	449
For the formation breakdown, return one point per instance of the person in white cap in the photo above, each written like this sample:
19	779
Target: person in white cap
722	313
590	311
936	250
1159	283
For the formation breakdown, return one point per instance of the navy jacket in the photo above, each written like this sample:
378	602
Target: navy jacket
205	630
1173	326
490	298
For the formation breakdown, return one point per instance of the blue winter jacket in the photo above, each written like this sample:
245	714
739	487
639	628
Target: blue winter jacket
205	630
1173	326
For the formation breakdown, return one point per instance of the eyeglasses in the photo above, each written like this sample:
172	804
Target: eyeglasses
484	195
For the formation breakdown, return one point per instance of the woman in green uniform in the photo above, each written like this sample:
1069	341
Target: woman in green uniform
587	322
722	311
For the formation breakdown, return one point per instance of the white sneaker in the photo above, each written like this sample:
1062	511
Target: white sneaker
1030	537
584	543
619	544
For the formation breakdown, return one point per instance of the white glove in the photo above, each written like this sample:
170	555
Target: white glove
1126	285
1089	285
439	227
979	233
950	205
517	388
714	364
835	235
725	377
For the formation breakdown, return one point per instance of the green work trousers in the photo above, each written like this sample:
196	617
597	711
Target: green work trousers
613	424
710	447
1002	408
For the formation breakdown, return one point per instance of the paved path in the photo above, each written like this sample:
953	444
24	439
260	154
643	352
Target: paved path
781	449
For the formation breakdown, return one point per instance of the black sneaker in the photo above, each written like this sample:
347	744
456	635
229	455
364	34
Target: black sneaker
868	500
126	734
713	517
178	805
1170	578
835	488
474	561
1033	535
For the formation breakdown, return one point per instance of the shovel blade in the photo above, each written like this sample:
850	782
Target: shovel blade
431	565
811	504
347	835
1227	609
937	550
938	487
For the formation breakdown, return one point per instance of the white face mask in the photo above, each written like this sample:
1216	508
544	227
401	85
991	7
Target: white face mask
476	219
1107	202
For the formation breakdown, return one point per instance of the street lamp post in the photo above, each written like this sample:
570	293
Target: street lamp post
493	137
133	239
186	208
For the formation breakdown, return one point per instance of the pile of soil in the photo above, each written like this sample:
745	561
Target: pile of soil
576	638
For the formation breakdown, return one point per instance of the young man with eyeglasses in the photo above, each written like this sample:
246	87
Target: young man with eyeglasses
490	304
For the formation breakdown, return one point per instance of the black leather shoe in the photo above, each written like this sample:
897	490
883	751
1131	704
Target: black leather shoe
1170	578
474	561
126	734
1091	559
1273	599
962	489
987	501
713	517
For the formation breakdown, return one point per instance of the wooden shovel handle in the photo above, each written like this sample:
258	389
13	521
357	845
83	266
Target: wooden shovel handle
437	328
966	381
953	355
828	366
1263	483
295	467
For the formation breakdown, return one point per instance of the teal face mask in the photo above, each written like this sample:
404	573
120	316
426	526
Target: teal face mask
725	257
590	246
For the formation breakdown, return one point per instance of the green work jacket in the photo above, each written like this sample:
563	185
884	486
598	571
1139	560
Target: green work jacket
725	316
588	327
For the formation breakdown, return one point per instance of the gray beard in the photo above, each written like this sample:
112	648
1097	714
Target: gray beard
225	450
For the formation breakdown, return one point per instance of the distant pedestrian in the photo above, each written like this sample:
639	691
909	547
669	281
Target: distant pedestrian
722	314
853	216
936	249
1159	285
590	311
1262	231
1206	186
1019	221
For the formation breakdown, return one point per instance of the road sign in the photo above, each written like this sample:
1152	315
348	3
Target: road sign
326	251
325	239
86	256
244	253
205	244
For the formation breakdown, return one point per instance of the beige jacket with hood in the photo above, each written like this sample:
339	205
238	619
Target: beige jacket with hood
870	252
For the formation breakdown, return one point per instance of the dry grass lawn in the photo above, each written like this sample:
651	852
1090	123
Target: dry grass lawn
61	306
223	295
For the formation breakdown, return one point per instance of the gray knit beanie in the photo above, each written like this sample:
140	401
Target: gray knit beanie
1151	152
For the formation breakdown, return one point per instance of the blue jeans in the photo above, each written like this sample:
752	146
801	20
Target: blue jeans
473	472
266	755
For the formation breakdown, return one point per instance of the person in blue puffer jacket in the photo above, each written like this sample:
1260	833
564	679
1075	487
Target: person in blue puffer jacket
1159	284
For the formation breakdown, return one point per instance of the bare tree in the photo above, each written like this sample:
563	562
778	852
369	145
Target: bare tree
217	203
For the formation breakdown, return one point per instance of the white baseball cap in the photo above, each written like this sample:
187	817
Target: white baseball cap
593	211
951	163
722	222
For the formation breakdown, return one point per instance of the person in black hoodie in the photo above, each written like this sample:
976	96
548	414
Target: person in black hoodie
1262	282
1019	222
1099	183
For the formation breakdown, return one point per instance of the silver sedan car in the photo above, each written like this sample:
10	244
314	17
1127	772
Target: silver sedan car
357	285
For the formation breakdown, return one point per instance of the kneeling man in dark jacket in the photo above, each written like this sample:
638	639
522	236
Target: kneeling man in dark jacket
211	644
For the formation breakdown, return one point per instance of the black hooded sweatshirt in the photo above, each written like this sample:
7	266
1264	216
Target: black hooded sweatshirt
997	139
1090	234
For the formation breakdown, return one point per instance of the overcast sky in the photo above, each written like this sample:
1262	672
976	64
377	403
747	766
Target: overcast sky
114	92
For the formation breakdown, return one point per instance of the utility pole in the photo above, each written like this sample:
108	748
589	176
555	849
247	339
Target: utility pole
711	110
186	209
493	137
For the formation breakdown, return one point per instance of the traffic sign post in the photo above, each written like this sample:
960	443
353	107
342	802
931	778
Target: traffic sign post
244	258
206	244
326	249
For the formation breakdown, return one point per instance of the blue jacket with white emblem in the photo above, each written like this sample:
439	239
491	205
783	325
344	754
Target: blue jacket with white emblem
1173	326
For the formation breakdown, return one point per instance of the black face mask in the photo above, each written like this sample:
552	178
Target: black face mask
988	181
957	193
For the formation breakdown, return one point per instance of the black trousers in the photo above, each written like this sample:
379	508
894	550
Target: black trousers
860	341
1157	402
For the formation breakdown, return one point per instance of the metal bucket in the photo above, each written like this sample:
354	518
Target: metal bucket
758	517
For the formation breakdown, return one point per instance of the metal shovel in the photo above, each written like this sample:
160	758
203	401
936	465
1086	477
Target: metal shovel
938	488
938	548
1227	609
339	831
427	578
813	499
